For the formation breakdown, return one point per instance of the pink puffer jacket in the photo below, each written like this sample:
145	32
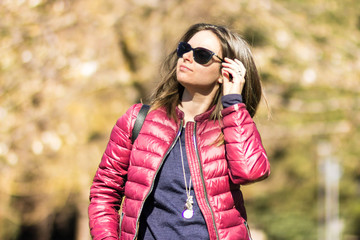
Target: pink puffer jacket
217	170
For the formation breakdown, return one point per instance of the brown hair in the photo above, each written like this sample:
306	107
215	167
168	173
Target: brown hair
169	91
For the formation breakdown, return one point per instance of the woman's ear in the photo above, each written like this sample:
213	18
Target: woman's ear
221	77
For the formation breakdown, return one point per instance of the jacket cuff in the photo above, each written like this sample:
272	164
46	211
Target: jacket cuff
231	99
233	108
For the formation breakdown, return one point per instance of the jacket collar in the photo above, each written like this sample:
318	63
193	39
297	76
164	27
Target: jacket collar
198	118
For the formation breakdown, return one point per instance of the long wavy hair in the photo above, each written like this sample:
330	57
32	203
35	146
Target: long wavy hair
168	93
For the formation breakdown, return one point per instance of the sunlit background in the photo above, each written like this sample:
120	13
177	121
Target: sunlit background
70	68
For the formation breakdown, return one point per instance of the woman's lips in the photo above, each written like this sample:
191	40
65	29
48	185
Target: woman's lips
184	68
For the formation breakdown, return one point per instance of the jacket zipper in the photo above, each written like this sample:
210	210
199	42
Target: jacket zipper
203	182
157	171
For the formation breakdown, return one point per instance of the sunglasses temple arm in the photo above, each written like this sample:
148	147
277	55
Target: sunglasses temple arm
222	60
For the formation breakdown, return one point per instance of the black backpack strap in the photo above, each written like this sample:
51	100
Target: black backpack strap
139	121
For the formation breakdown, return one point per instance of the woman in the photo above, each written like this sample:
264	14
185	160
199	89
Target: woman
181	177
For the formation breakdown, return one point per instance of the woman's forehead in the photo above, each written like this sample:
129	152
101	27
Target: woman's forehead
206	39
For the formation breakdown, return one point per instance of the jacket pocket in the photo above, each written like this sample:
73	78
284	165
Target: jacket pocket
248	230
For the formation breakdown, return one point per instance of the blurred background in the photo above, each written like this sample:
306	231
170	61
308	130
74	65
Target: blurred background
70	68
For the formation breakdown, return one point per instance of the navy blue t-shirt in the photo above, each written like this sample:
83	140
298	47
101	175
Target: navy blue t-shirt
161	217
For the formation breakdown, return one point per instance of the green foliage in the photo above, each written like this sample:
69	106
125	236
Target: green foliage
69	69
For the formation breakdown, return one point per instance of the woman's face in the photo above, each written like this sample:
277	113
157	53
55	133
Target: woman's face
195	77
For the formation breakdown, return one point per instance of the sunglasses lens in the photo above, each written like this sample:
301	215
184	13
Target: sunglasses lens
202	56
183	48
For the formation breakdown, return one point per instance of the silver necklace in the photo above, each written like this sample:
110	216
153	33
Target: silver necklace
188	208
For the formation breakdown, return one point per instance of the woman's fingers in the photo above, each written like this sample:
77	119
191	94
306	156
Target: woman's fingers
234	76
234	67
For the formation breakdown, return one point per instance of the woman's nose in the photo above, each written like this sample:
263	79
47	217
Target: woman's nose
189	56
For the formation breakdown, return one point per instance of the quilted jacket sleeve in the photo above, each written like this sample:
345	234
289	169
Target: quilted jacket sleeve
108	185
245	153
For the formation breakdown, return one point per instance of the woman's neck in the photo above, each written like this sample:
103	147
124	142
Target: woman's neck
194	104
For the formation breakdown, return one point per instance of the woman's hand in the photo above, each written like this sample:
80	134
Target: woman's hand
233	73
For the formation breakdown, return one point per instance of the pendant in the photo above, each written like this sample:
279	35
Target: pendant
187	213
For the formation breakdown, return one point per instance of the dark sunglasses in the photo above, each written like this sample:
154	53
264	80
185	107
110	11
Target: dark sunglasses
201	55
